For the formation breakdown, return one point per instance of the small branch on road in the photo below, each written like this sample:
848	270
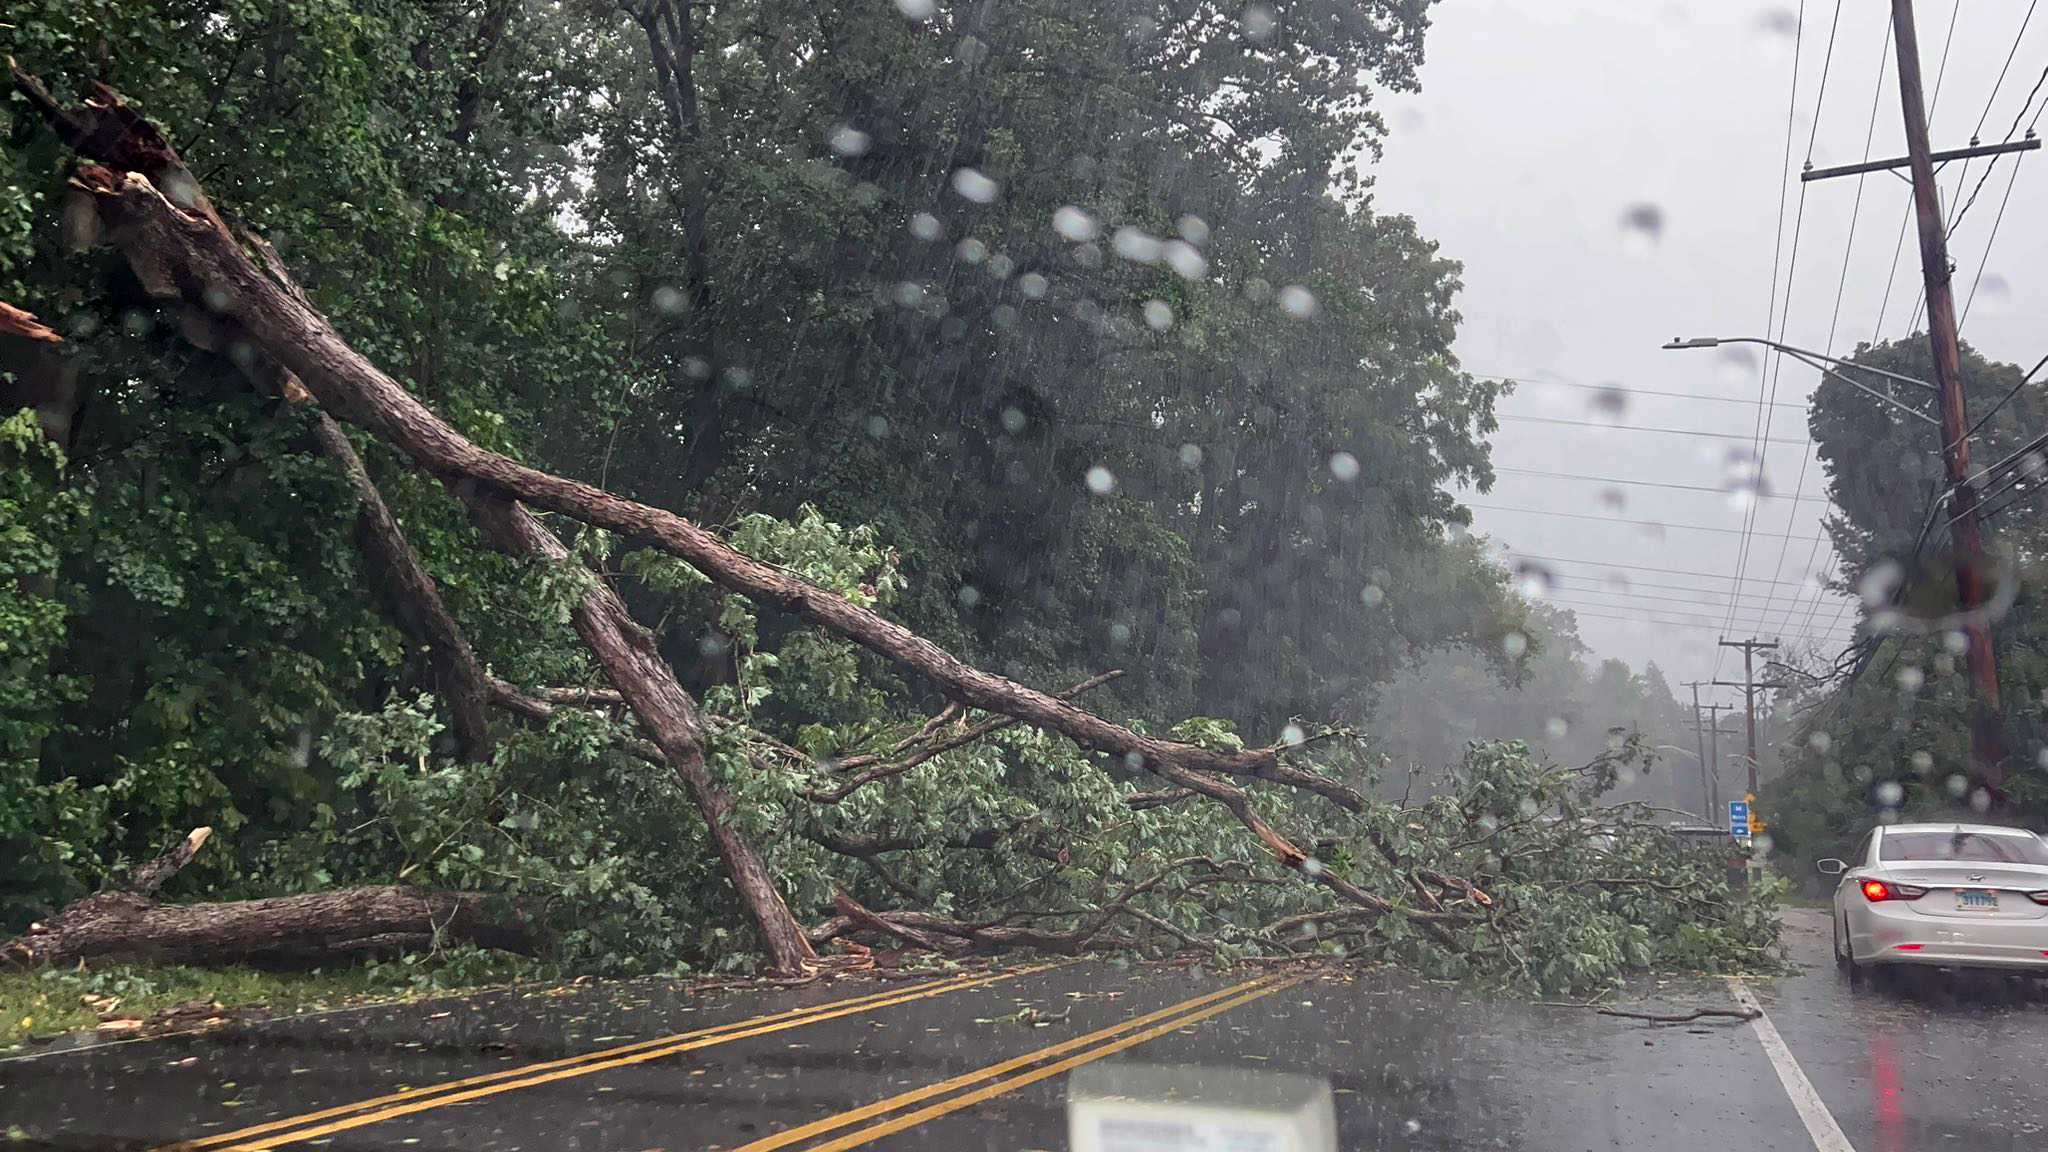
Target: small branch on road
1658	1017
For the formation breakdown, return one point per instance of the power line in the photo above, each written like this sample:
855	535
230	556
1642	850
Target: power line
1884	51
1634	567
1950	227
1626	584
1621	388
1759	443
1644	483
1619	520
1665	599
1577	611
1639	428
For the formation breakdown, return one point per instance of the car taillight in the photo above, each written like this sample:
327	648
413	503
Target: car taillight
2038	898
1876	890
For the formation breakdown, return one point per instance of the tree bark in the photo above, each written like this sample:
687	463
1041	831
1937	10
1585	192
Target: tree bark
187	244
125	923
666	712
413	598
278	931
355	390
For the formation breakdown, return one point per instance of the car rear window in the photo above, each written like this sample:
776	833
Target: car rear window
2009	848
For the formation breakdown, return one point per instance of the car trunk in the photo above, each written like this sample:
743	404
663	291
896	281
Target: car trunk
1973	888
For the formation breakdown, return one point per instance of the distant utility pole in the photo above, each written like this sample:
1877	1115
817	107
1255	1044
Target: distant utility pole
1749	686
1986	737
1710	771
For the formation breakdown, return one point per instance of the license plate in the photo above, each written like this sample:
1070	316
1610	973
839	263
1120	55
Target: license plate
1977	901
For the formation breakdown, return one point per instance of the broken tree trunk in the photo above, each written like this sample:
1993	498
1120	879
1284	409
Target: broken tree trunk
170	233
126	923
413	599
666	712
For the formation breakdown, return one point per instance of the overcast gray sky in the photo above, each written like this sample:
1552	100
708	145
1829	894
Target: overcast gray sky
1542	127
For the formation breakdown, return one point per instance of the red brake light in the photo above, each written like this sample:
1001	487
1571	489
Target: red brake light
1909	947
1876	890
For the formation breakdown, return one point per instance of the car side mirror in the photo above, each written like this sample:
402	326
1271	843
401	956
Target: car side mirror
1830	867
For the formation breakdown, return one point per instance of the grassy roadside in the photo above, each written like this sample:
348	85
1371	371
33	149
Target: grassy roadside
120	999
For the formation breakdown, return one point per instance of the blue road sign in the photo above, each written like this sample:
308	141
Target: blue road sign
1738	817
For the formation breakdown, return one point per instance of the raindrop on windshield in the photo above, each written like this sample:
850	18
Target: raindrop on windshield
1613	499
1013	420
1743	478
1032	285
878	426
668	301
1890	793
1000	266
1193	229
1074	224
1642	225
1879	583
926	226
848	140
1558	727
1980	801
1955	641
972	184
1777	28
970	251
1371	595
1532	580
1259	23
1344	466
1292	735
969	595
1609	403
1957	784
1911	678
1820	742
1135	245
1101	481
1736	364
1191	455
1158	315
1514	644
1923	761
1184	259
909	294
1994	290
918	9
1297	302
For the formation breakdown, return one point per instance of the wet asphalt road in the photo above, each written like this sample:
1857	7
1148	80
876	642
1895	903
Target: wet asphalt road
1408	1065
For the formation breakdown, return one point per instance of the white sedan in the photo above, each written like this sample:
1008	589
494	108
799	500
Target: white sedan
1944	895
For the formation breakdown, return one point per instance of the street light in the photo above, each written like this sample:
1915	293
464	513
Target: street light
1819	362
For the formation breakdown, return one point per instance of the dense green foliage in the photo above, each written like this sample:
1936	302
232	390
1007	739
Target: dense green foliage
1080	312
1894	741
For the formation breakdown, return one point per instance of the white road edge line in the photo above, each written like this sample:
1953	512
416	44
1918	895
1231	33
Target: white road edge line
1820	1123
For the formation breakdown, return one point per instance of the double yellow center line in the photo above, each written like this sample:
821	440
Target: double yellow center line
885	1117
313	1125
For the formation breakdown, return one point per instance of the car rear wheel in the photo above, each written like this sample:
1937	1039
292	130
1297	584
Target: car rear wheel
1845	961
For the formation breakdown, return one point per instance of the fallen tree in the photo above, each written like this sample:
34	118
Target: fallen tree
1510	874
125	922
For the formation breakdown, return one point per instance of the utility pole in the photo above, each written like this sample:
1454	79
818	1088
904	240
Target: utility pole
1708	769
1987	751
1749	687
1965	531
